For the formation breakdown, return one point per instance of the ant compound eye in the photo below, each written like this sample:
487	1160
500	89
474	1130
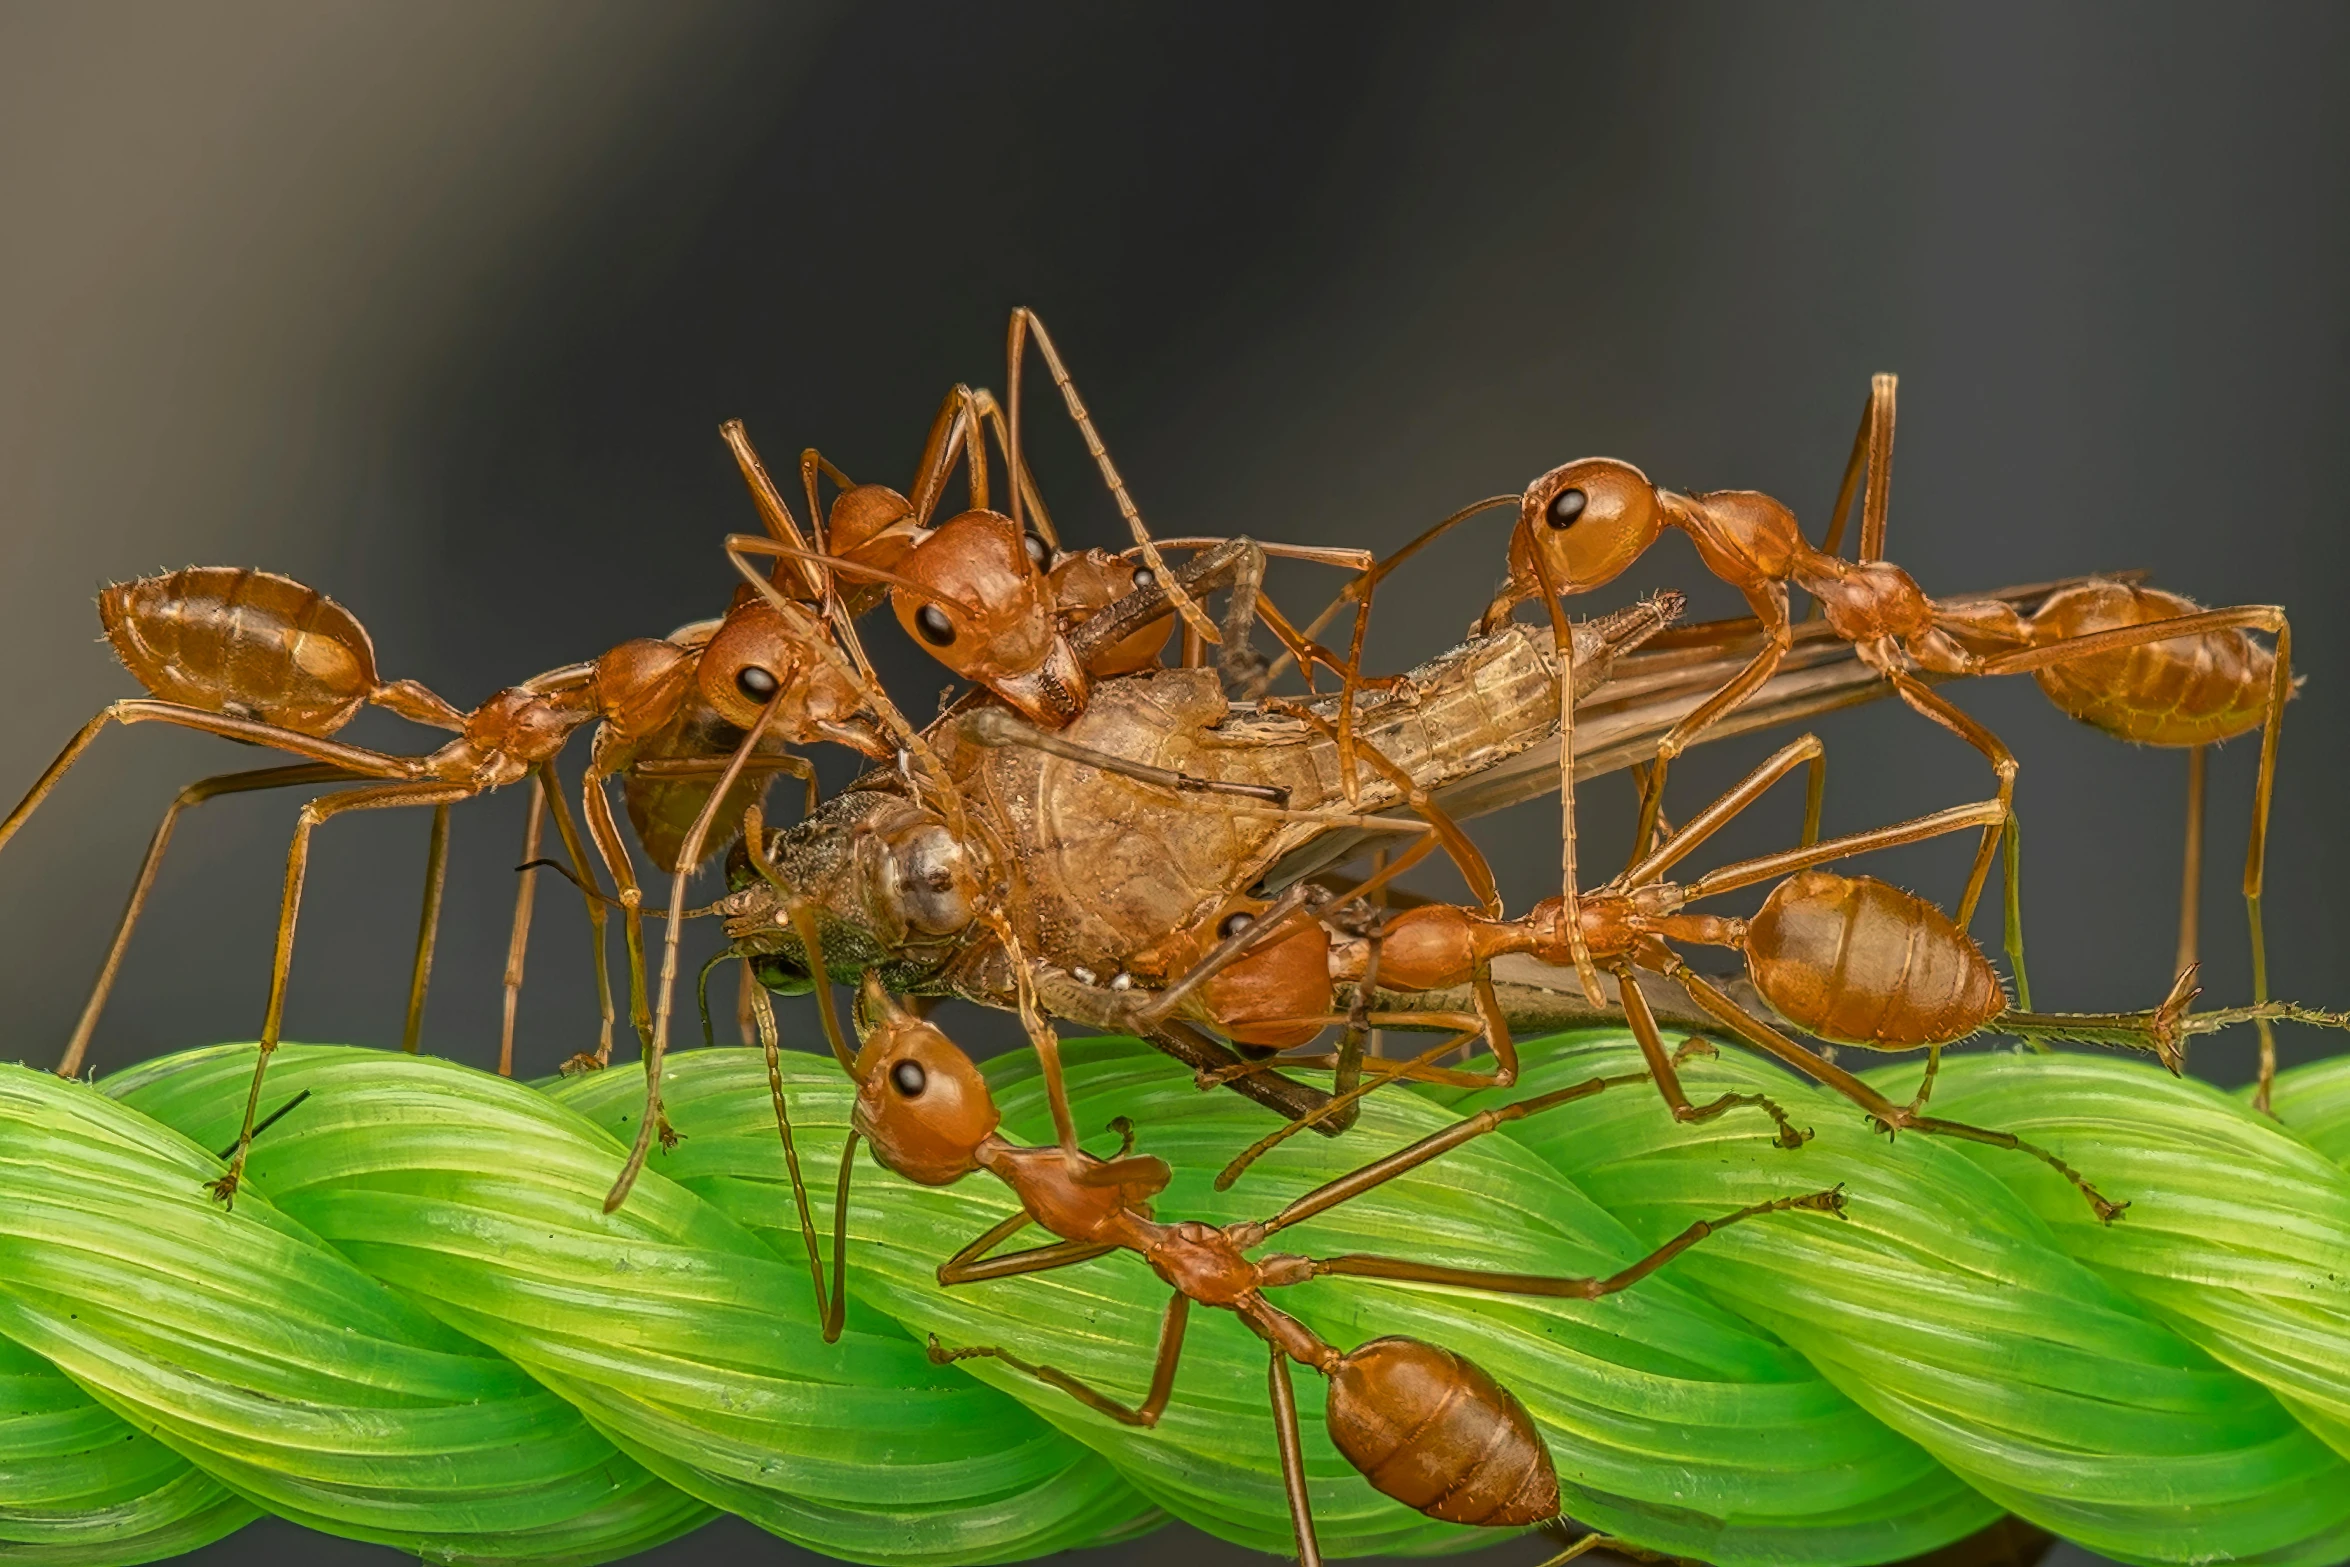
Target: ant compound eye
932	622
1038	555
1234	924
908	1078
756	683
1145	578
1565	507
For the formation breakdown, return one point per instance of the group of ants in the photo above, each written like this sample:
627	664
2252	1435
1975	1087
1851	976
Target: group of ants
694	725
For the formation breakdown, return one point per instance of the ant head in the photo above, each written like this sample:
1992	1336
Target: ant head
756	652
1092	580
1589	520
985	610
920	1100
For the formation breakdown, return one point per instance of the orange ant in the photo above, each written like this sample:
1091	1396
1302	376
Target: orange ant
251	656
1850	960
996	603
1581	525
1423	1424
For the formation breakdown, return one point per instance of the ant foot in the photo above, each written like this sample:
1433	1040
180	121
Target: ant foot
1889	1126
585	1061
224	1190
940	1355
1829	1201
2107	1211
1695	1049
1789	1138
667	1133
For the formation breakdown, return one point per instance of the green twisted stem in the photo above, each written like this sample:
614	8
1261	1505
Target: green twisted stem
418	1327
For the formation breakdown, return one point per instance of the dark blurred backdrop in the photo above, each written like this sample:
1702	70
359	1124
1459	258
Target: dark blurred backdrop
438	307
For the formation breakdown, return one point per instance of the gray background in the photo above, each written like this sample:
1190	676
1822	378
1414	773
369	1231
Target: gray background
437	308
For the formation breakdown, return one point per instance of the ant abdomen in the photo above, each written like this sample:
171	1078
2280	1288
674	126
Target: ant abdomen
251	644
2195	690
1431	1429
1853	960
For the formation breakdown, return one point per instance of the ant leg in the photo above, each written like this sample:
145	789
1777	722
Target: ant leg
1770	607
1654	862
77	1047
1154	1402
832	1306
518	943
1293	1459
1380	1171
654	1122
1853	468
1815	790
355	760
1361	1266
1344	1102
1770	867
1668	1081
1025	321
608	758
1923	699
939	448
436	876
2280	687
380	797
1664	825
568	830
1880	482
2191	863
972	1265
1883	1111
1596	1542
2012	908
774	513
1027	505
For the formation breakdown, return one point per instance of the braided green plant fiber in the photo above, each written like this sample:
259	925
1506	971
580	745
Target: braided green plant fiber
1794	1390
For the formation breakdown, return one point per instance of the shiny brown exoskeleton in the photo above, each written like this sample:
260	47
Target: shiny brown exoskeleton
2198	686
995	602
260	658
1420	1422
1850	960
1581	525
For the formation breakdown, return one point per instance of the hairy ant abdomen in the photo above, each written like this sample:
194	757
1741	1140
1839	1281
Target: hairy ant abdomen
231	640
1431	1429
1854	960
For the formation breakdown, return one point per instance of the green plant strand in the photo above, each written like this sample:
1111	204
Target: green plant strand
1951	1310
678	1334
418	1327
1671	1420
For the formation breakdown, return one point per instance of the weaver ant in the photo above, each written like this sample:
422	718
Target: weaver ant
2198	679
1422	1423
